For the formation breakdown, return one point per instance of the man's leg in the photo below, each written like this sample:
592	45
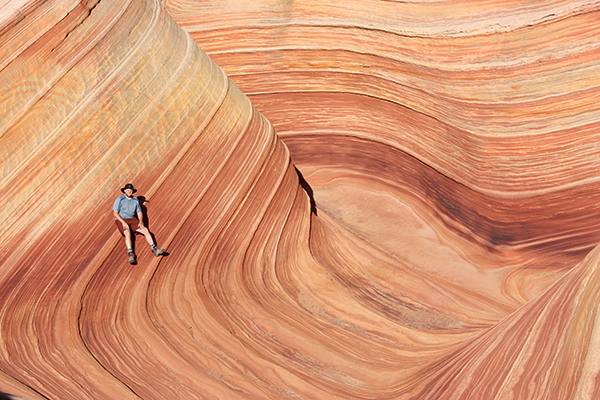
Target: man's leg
128	243
127	234
128	240
146	232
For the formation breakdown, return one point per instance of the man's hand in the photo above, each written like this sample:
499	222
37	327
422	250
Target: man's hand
125	226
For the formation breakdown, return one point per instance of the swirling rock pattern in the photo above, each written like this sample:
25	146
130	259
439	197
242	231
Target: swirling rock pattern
423	225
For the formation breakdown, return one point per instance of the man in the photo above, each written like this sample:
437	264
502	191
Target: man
130	218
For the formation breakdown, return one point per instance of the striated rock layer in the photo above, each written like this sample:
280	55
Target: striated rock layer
485	115
431	232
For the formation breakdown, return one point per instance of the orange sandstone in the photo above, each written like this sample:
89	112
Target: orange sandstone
360	200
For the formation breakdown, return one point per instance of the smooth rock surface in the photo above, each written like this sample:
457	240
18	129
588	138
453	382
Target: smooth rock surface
360	200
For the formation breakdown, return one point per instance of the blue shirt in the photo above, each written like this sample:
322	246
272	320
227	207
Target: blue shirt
127	208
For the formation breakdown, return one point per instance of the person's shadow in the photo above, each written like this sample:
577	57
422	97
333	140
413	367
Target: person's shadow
143	201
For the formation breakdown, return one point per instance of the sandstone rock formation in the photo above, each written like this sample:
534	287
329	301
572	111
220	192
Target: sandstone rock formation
361	200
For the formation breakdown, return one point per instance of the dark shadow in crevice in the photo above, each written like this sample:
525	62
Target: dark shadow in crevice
308	190
6	396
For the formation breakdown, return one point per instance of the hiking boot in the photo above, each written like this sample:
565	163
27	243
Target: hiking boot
158	252
132	258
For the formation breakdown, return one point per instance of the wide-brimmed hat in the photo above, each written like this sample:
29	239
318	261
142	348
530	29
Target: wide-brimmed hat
128	186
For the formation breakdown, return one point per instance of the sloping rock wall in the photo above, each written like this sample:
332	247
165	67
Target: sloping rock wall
367	199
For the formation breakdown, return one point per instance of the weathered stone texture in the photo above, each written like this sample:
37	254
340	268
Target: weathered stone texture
360	199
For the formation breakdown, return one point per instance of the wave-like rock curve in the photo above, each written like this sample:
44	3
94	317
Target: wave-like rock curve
425	228
486	115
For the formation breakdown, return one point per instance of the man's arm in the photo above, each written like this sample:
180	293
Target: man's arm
140	215
120	219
